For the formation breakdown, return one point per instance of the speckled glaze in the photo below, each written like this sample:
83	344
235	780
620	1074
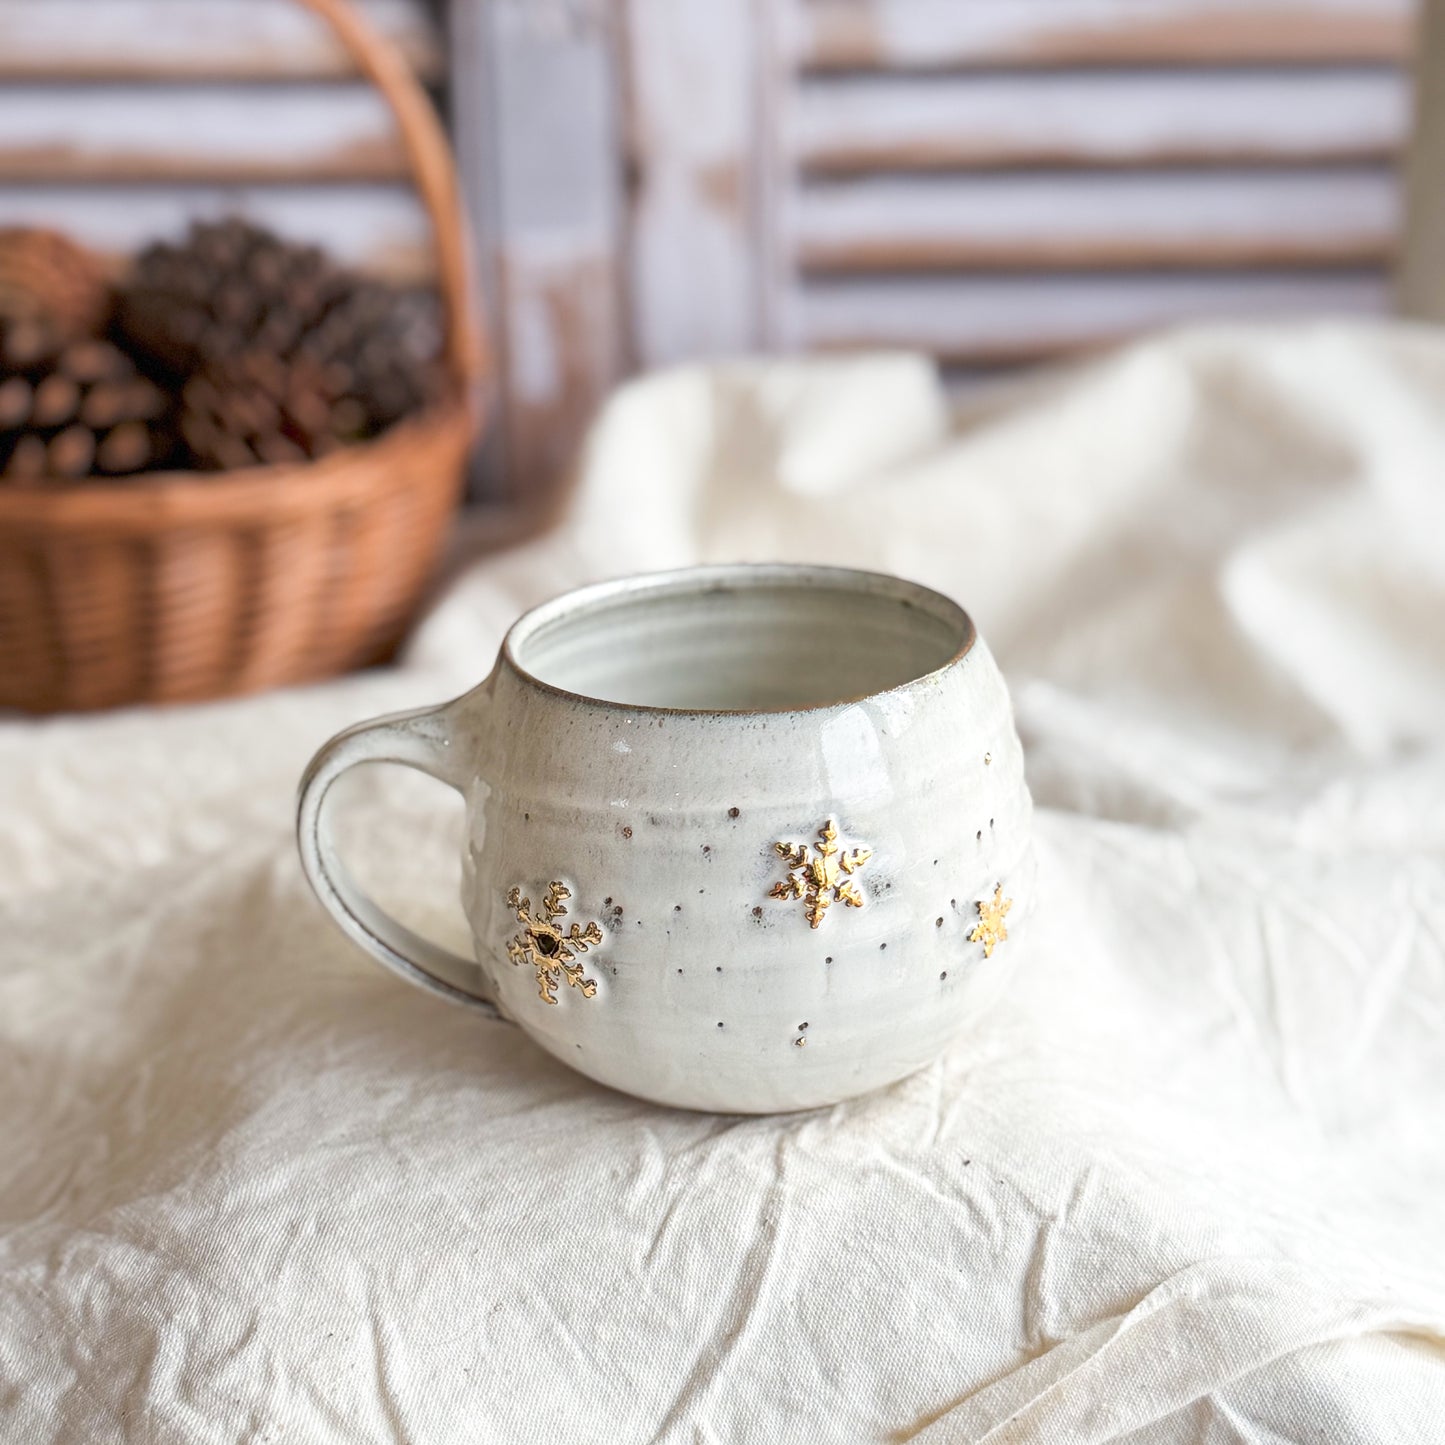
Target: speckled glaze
646	744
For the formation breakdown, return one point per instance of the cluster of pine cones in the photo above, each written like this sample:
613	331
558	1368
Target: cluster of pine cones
234	348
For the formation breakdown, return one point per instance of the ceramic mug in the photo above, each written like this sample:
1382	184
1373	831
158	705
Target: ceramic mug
743	839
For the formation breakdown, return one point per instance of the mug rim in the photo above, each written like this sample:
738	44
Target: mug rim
714	577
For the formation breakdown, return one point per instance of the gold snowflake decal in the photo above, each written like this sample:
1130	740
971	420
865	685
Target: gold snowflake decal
822	880
992	930
543	946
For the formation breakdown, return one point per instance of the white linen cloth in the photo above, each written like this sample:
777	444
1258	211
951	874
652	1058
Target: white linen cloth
1187	1185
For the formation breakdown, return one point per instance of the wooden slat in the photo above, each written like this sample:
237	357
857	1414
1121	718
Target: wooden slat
1108	220
379	228
945	34
536	116
1422	265
1010	319
850	124
148	40
697	232
234	134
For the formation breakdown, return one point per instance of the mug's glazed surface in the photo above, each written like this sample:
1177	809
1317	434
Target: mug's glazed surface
741	839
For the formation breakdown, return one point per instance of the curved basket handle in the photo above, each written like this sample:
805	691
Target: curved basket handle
430	158
415	740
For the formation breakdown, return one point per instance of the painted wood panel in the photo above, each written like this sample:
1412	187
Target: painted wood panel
1110	220
698	156
286	133
851	124
1421	292
194	40
536	100
938	34
1010	319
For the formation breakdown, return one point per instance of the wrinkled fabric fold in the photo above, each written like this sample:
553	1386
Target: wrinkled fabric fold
1188	1182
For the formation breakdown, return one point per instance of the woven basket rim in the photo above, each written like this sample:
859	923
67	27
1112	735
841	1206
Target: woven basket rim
248	495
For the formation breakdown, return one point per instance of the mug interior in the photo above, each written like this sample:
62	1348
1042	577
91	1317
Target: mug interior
740	639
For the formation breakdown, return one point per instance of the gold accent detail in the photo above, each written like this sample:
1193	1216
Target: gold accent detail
543	946
991	930
824	880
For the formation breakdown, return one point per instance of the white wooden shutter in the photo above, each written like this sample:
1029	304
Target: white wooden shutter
1001	182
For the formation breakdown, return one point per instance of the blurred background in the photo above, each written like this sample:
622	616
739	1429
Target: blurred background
998	183
1001	184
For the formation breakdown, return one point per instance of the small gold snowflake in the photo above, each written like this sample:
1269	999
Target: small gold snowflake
823	880
992	930
543	946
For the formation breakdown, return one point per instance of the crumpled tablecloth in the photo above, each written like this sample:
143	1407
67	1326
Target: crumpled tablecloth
1187	1185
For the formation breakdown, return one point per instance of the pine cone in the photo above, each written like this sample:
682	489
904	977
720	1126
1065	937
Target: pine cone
87	412
52	291
281	354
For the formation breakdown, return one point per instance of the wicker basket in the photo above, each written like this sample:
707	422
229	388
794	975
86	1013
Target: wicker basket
177	586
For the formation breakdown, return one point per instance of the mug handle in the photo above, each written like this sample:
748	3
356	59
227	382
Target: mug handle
420	739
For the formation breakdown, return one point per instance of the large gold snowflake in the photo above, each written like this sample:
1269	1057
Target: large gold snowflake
543	946
991	929
822	880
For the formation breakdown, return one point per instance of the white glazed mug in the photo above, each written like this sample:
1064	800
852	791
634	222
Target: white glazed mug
743	839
